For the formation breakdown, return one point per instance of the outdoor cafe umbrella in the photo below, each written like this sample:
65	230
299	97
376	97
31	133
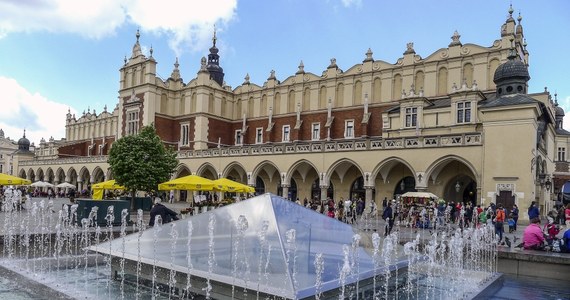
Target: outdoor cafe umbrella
227	185
65	185
6	179
105	185
41	184
190	183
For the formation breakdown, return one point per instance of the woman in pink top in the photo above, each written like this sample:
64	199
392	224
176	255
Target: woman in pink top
567	213
533	238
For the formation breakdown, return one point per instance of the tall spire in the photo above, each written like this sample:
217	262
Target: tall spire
137	47
213	67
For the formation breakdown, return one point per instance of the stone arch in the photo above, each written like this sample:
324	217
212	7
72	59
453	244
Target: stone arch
236	172
269	173
72	176
85	176
357	92
397	87
207	170
492	67
49	175
388	175
339	99
467	74
250	105
98	175
454	179
419	81
277	103
31	175
306	99
304	173
60	175
40	174
22	174
263	105
181	170
442	81
322	97
291	103
163	103
377	89
341	174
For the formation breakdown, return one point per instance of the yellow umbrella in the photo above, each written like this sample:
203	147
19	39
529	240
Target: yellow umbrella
105	185
6	179
227	185
190	183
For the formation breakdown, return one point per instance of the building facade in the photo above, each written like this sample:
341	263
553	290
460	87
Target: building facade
458	123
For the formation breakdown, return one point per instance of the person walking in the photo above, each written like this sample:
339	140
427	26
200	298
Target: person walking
533	211
515	215
499	222
388	216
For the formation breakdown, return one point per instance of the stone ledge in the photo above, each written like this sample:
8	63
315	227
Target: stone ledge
535	256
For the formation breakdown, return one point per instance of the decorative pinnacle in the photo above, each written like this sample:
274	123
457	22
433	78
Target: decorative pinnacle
138	35
519	18
176	64
511	10
151	50
214	37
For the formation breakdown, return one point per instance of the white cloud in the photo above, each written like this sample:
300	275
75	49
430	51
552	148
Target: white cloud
188	24
21	109
349	3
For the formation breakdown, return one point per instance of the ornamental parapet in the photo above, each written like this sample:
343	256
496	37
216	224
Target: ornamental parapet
370	144
65	160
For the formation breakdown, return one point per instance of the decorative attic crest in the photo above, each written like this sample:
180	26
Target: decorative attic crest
133	98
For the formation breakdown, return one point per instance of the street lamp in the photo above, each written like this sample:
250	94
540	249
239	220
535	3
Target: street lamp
457	186
548	183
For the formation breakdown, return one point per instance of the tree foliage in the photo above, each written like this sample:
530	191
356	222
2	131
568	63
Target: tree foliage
140	162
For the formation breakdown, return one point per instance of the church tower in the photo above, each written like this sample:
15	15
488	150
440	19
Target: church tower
216	72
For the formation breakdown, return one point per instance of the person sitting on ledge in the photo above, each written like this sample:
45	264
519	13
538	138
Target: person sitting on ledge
166	214
533	238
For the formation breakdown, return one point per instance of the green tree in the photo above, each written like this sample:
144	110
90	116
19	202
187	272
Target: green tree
140	162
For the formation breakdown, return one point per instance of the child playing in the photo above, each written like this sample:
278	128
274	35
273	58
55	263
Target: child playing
511	223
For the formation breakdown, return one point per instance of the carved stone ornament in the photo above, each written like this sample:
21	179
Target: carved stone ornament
505	187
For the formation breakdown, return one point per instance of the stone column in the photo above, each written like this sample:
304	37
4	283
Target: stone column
368	194
285	188
324	190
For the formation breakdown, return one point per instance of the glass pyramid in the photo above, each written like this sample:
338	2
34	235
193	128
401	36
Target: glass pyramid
265	243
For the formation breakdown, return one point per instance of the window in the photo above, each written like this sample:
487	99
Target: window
286	133
561	154
463	112
349	128
316	131
132	122
184	130
238	137
411	116
259	135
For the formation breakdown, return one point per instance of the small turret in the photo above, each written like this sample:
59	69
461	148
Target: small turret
213	67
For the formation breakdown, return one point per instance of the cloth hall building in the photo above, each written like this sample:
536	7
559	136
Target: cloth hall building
458	123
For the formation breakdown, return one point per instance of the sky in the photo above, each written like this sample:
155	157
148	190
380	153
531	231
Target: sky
60	55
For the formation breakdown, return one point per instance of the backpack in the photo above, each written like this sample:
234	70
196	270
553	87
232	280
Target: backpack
500	216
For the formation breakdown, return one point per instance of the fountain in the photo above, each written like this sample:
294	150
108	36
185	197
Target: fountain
263	247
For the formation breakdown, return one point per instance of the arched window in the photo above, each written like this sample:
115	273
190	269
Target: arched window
377	88
323	97
357	98
133	76
277	104
397	87
250	107
493	65
239	109
141	79
193	103
223	108
307	99
163	104
291	104
182	104
263	105
419	82
210	104
467	74
442	81
339	99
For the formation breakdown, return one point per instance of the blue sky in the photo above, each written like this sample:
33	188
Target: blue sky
57	55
